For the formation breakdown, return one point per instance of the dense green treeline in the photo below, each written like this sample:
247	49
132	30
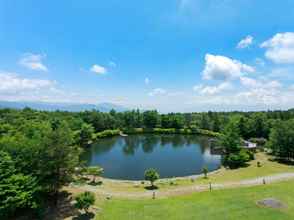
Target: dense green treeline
40	151
251	124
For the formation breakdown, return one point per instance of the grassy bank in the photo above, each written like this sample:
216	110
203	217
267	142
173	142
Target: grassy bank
186	131
106	133
221	204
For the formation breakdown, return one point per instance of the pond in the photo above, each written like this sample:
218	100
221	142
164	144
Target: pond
171	155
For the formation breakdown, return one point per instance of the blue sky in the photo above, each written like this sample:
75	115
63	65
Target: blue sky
176	55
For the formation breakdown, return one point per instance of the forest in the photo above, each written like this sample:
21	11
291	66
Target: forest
40	150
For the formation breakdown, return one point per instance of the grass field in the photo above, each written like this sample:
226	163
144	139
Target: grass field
220	204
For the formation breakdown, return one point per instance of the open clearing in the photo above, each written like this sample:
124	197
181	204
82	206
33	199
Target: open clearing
220	204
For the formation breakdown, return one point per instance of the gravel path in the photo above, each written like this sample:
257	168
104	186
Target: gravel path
181	190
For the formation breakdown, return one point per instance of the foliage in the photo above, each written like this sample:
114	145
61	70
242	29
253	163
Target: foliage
94	171
85	134
151	175
205	171
107	133
150	119
281	140
17	191
85	201
44	157
230	140
235	156
237	159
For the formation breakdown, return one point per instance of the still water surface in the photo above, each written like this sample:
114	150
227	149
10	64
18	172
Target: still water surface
172	155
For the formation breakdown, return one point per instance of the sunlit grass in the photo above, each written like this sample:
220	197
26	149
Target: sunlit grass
221	204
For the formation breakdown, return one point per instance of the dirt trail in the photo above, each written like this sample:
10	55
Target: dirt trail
181	190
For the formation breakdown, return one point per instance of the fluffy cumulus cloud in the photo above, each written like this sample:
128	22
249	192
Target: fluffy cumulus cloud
251	94
246	42
14	87
33	62
98	69
280	48
212	90
224	68
157	91
11	83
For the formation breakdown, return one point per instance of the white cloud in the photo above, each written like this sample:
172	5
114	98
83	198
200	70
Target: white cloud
157	91
12	83
14	87
33	61
212	90
246	42
253	83
224	68
249	82
98	69
280	48
147	81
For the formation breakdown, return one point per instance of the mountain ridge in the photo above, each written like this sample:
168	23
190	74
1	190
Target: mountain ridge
71	107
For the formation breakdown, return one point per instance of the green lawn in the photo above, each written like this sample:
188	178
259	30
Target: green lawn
221	204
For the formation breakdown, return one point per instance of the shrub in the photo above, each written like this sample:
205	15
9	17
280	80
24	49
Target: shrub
107	133
205	171
151	175
235	160
94	171
85	200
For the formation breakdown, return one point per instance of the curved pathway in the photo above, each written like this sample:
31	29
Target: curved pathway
181	190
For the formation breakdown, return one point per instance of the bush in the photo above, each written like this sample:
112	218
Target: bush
208	133
133	130
151	175
251	155
107	133
205	171
235	160
85	200
94	171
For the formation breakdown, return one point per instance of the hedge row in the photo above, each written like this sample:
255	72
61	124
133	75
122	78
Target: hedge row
111	133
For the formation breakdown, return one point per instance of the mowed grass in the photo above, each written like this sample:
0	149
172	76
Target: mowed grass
220	204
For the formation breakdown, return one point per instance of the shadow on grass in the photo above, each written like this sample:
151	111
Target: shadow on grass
64	208
282	161
151	187
96	183
84	216
235	167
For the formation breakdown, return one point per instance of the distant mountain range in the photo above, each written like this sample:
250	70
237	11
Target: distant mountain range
46	106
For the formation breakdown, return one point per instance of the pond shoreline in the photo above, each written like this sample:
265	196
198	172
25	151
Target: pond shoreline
171	155
183	131
189	177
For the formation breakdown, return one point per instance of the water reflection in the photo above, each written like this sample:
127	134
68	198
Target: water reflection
172	155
